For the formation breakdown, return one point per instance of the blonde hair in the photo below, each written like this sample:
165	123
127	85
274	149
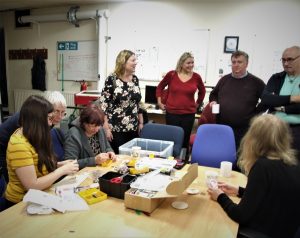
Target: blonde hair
121	60
182	59
268	136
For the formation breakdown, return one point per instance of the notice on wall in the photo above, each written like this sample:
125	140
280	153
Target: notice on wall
77	60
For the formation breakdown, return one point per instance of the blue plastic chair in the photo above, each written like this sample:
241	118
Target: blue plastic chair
213	144
156	131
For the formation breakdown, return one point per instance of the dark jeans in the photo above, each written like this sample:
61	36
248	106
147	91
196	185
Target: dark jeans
186	122
239	133
295	129
121	138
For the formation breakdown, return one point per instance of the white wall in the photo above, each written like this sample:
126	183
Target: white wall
264	28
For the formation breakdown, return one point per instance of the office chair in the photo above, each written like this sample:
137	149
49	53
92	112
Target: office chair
213	144
206	118
156	131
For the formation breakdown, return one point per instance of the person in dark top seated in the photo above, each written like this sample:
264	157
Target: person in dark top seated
269	205
58	138
7	128
86	140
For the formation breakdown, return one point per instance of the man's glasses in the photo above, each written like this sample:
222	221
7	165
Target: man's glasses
289	60
50	116
60	113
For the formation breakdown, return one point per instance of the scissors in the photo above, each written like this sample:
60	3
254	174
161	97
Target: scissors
118	179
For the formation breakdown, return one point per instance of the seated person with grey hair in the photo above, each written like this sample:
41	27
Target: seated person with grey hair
60	105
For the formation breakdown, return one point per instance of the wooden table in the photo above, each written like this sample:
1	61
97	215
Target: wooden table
109	218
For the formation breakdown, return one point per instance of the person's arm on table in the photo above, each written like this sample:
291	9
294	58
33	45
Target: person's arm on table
252	196
29	179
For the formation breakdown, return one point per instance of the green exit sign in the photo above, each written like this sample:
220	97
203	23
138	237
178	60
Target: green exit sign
67	45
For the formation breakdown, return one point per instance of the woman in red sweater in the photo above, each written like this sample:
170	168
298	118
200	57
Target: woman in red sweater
180	103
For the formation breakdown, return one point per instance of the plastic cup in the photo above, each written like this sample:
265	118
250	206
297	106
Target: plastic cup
225	169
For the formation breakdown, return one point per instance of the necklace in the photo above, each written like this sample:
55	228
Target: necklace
291	78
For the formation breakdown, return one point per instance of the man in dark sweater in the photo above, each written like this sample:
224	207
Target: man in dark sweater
238	94
282	93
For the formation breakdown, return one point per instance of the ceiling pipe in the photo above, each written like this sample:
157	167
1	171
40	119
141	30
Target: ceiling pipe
73	16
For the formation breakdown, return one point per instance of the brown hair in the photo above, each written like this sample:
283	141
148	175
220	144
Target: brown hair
240	53
91	114
34	121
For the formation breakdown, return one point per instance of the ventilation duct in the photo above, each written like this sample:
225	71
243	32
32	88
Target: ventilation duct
73	16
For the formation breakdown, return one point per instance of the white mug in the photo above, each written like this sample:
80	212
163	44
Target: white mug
226	168
216	108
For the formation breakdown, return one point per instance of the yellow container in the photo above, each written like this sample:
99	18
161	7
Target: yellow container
106	163
131	163
92	195
138	171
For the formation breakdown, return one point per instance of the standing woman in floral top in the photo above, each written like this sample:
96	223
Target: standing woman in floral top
120	101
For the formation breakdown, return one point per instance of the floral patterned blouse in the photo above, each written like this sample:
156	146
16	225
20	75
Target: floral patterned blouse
120	102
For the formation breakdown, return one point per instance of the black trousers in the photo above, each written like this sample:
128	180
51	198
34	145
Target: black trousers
4	204
121	138
295	130
185	121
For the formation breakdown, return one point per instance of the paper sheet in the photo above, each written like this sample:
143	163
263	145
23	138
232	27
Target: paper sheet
156	182
73	203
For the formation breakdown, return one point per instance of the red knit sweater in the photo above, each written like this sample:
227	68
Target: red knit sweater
181	95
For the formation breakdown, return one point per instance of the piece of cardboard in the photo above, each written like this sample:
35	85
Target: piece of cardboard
174	189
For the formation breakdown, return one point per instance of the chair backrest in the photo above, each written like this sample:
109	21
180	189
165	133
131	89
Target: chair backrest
213	144
207	117
158	131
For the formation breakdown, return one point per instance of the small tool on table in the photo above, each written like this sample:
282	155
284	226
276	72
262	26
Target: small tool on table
118	179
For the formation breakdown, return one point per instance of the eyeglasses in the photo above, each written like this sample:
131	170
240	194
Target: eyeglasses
60	113
50	117
289	60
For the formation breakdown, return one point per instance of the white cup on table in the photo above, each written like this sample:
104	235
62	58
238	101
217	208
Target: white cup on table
136	151
211	179
225	169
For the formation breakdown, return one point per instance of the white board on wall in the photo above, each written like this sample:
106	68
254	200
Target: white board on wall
77	60
158	52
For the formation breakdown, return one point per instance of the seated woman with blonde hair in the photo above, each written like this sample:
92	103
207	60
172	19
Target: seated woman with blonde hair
269	205
86	140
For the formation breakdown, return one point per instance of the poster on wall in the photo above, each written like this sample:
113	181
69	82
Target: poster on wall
77	60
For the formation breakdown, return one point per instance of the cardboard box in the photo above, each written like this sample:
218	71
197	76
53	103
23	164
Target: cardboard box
174	189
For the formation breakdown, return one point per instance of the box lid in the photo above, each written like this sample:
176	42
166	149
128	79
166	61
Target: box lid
177	187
